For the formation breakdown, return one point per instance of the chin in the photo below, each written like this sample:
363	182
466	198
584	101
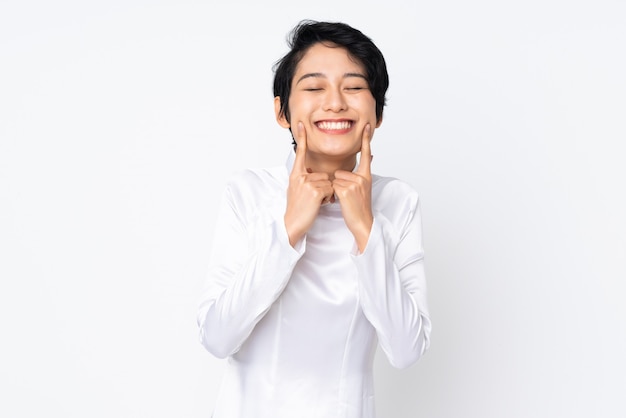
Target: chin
335	149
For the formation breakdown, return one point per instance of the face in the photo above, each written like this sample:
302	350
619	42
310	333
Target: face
330	96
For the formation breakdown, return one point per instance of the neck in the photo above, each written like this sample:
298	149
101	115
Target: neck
329	165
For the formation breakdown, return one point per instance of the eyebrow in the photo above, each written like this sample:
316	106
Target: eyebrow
322	75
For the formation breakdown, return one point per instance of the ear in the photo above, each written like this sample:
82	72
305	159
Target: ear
280	116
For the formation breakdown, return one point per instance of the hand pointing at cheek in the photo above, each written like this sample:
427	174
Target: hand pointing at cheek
306	192
354	191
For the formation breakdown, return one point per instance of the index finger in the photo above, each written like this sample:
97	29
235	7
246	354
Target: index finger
366	152
299	165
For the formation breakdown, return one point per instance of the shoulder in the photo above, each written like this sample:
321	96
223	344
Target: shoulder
391	189
394	198
253	188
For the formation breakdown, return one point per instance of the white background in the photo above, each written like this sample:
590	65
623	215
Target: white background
120	122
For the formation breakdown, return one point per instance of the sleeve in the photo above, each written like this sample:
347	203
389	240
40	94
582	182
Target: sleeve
392	285
251	263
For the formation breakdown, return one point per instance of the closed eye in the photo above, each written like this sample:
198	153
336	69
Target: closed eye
356	87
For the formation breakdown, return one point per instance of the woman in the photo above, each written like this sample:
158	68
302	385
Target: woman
316	261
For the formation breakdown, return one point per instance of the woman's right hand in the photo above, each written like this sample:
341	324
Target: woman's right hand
307	191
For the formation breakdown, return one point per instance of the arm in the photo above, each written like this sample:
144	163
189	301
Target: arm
251	263
392	286
259	240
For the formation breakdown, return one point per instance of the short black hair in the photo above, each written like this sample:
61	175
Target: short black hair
361	48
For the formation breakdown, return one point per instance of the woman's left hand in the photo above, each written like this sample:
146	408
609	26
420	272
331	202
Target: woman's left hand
354	191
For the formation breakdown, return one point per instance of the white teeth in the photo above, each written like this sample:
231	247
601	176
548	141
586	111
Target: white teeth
328	125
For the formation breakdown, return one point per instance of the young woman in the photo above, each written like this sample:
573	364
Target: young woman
317	261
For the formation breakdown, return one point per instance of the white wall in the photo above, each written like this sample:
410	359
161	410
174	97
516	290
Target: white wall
120	122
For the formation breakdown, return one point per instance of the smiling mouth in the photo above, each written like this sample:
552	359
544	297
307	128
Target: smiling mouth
331	125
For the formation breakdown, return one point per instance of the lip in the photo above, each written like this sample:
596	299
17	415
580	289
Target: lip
334	126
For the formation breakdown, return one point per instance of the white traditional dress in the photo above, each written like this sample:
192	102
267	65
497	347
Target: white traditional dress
300	326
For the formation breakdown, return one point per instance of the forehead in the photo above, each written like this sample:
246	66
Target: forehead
328	58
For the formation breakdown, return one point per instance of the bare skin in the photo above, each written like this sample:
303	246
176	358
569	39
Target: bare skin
308	190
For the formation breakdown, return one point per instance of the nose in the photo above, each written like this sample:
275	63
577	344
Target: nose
334	100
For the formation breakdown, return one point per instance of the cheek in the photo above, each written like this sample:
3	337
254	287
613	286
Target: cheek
366	107
301	109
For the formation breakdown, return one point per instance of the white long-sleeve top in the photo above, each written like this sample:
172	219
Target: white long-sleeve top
300	326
